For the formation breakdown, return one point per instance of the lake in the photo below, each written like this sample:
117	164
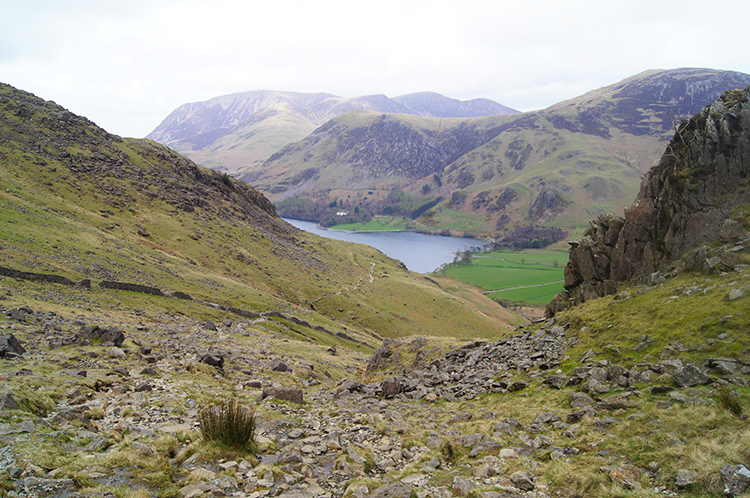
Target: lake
419	252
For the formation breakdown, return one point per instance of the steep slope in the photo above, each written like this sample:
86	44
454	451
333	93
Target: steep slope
237	132
80	203
696	198
566	163
363	150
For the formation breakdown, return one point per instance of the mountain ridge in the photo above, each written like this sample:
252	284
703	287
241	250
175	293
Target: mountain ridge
584	156
193	128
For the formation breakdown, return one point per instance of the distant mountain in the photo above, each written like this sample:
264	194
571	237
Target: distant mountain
438	106
560	166
234	132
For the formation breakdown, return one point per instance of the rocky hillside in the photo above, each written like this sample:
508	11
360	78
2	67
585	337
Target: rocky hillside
139	293
694	204
566	164
102	396
82	204
233	131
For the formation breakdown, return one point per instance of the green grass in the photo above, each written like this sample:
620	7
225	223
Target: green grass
691	312
537	295
378	224
531	276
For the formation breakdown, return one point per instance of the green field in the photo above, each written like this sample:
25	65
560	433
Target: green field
378	224
531	276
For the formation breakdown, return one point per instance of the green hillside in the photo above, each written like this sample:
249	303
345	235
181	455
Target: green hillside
143	296
83	204
556	167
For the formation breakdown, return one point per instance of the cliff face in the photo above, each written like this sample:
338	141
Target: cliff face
698	193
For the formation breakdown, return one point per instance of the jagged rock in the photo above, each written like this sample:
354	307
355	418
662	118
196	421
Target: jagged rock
8	402
685	478
626	476
690	376
196	490
20	314
348	386
462	486
291	455
737	293
393	490
280	366
550	203
505	428
42	488
100	443
144	387
578	415
557	381
724	366
390	388
523	480
213	359
617	402
546	418
462	417
736	478
293	394
593	386
580	400
104	334
382	357
468	440
695	260
10	347
605	422
685	201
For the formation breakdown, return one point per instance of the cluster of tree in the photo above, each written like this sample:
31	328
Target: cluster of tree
424	207
328	212
355	215
531	237
464	258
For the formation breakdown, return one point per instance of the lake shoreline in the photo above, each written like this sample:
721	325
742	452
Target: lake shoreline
423	232
420	252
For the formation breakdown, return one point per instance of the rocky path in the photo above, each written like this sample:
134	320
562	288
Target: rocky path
92	406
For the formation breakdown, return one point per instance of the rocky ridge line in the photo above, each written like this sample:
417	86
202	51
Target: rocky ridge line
692	197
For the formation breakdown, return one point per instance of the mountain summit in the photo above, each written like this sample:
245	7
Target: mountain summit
230	131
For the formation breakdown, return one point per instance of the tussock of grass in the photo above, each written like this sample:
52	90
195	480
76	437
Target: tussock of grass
229	423
730	401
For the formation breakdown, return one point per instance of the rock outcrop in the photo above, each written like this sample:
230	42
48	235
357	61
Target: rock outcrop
695	195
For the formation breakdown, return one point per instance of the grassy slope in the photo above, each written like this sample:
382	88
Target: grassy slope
523	273
572	159
557	156
86	226
689	318
255	142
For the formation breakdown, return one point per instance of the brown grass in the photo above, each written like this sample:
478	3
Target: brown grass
229	423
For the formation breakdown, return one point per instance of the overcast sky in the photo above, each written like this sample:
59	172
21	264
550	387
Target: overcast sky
127	64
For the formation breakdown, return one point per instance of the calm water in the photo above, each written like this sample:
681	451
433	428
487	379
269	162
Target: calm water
419	252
